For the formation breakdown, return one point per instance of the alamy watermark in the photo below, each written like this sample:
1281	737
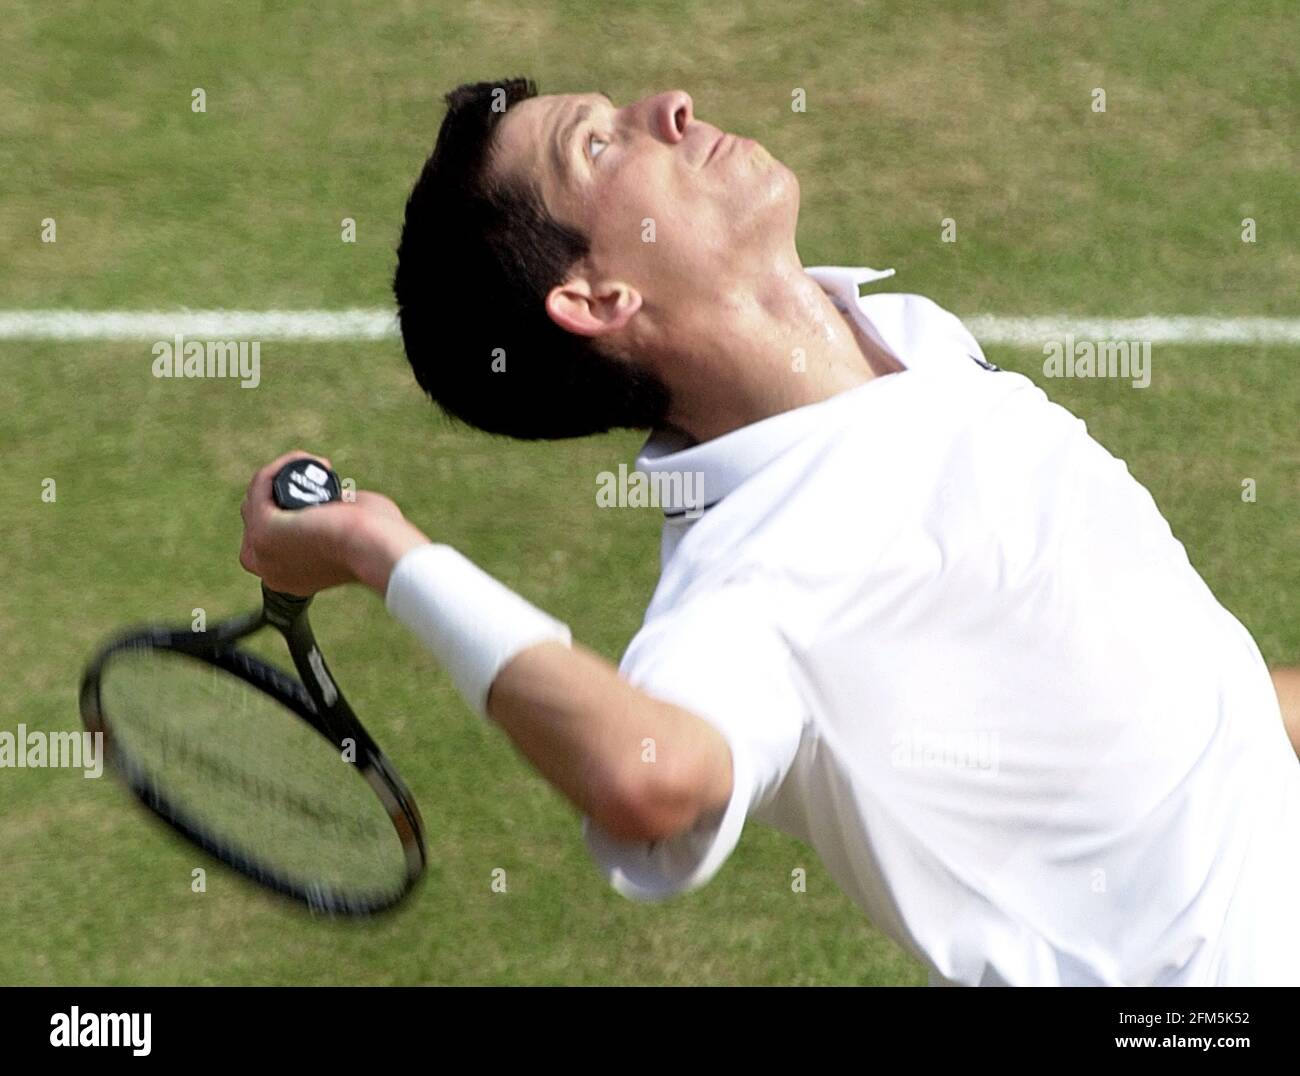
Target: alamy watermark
673	491
32	749
121	1029
1130	359
179	357
916	746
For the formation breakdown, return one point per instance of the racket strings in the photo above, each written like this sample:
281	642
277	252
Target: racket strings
249	772
177	750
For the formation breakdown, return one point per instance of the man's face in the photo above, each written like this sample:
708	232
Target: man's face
670	204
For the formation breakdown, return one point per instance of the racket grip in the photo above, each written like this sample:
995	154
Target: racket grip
301	483
280	609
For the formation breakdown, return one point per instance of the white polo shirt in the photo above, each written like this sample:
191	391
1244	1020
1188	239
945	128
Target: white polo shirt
954	647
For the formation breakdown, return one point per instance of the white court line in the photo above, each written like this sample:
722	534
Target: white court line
377	324
1030	332
339	325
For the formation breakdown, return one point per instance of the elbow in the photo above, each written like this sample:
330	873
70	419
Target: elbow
658	803
646	812
661	818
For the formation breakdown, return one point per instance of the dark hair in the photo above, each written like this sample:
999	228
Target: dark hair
475	263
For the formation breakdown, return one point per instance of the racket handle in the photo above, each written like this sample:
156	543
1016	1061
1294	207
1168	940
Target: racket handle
282	610
301	483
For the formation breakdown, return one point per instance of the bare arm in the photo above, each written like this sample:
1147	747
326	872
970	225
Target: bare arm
585	729
1287	683
583	726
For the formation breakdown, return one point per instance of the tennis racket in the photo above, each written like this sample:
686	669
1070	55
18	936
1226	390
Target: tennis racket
271	774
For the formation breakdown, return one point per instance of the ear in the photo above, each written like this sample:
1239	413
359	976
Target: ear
587	309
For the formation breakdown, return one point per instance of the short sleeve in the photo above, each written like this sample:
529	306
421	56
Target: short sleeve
722	658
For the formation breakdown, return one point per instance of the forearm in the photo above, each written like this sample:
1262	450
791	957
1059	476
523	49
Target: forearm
375	545
1286	681
642	768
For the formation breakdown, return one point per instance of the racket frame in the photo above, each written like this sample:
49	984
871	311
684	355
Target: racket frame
316	699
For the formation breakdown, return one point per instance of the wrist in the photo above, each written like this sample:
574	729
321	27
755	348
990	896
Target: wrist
472	623
377	544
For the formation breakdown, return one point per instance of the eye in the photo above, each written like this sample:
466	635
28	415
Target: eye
595	145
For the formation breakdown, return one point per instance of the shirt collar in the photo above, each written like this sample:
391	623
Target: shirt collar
842	282
725	462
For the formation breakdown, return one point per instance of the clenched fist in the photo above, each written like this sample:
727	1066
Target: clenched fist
308	551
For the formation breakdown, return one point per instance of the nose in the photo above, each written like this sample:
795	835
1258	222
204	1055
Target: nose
671	113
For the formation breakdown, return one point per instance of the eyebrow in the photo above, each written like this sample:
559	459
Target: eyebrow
560	144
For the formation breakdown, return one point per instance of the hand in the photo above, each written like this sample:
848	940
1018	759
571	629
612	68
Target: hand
312	549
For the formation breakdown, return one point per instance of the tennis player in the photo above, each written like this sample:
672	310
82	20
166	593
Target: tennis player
909	613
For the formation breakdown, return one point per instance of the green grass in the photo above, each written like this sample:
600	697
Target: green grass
915	112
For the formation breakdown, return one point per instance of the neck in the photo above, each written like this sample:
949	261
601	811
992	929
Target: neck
762	346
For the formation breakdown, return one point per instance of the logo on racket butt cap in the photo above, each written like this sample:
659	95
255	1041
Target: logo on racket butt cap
304	483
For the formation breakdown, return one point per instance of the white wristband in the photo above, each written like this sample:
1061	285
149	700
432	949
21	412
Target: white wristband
473	624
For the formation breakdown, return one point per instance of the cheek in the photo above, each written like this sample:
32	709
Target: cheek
640	219
657	225
618	209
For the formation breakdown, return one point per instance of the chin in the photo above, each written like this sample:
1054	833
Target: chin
771	194
777	189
